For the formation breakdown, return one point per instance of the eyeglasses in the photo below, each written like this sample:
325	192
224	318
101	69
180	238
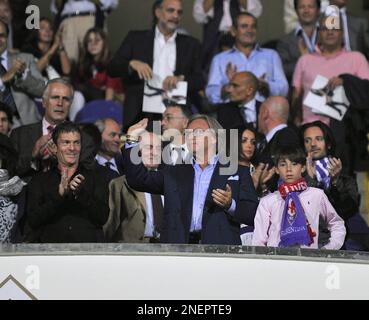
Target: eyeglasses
196	132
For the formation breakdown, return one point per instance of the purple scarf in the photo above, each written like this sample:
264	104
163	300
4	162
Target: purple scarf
295	230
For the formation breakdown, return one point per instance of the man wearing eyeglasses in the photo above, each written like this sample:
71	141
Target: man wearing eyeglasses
203	202
173	124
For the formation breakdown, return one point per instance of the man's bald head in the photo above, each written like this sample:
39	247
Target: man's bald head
273	112
243	87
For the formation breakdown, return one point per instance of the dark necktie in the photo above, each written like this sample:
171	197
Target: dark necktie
178	152
158	211
109	165
7	96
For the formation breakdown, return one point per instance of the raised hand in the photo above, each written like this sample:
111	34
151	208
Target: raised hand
40	146
231	70
76	183
334	169
310	166
137	129
64	183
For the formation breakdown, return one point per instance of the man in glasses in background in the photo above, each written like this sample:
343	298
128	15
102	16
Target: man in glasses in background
174	123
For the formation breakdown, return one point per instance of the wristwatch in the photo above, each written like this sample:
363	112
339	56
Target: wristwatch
132	139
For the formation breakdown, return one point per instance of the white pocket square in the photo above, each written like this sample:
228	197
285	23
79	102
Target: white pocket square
234	178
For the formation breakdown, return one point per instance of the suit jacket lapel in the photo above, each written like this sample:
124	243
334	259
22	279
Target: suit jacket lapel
180	48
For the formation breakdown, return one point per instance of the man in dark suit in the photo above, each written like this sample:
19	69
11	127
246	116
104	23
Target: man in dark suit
68	203
34	143
160	52
273	123
109	154
356	32
243	108
301	40
205	201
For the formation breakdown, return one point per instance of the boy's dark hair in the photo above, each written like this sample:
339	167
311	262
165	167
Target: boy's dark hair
296	3
292	153
330	142
65	127
5	108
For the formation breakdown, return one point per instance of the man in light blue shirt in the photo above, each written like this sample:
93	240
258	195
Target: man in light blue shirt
246	55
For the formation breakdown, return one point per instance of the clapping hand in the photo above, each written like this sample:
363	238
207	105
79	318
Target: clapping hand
223	198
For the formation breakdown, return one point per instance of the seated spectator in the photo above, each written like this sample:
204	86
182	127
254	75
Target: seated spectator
326	171
109	154
47	47
303	38
10	188
69	203
243	107
290	216
136	216
216	16
92	79
246	55
5	119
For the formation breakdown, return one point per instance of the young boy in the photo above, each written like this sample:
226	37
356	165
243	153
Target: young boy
290	216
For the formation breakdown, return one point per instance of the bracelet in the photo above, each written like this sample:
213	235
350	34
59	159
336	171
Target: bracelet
61	49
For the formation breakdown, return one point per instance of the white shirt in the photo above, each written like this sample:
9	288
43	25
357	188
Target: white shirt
165	55
174	155
102	161
249	111
150	227
253	6
72	6
272	132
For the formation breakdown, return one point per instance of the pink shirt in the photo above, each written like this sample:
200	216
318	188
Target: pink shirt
268	219
311	65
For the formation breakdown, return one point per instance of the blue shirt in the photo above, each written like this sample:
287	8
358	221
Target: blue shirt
260	62
200	191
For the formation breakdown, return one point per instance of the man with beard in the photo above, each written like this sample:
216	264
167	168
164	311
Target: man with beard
325	171
160	52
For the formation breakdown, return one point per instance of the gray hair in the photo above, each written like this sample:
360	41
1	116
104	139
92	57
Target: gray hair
212	122
57	80
101	124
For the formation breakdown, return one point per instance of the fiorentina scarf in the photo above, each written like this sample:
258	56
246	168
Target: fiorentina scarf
295	228
322	172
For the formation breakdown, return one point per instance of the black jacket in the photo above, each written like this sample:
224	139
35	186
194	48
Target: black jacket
139	45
